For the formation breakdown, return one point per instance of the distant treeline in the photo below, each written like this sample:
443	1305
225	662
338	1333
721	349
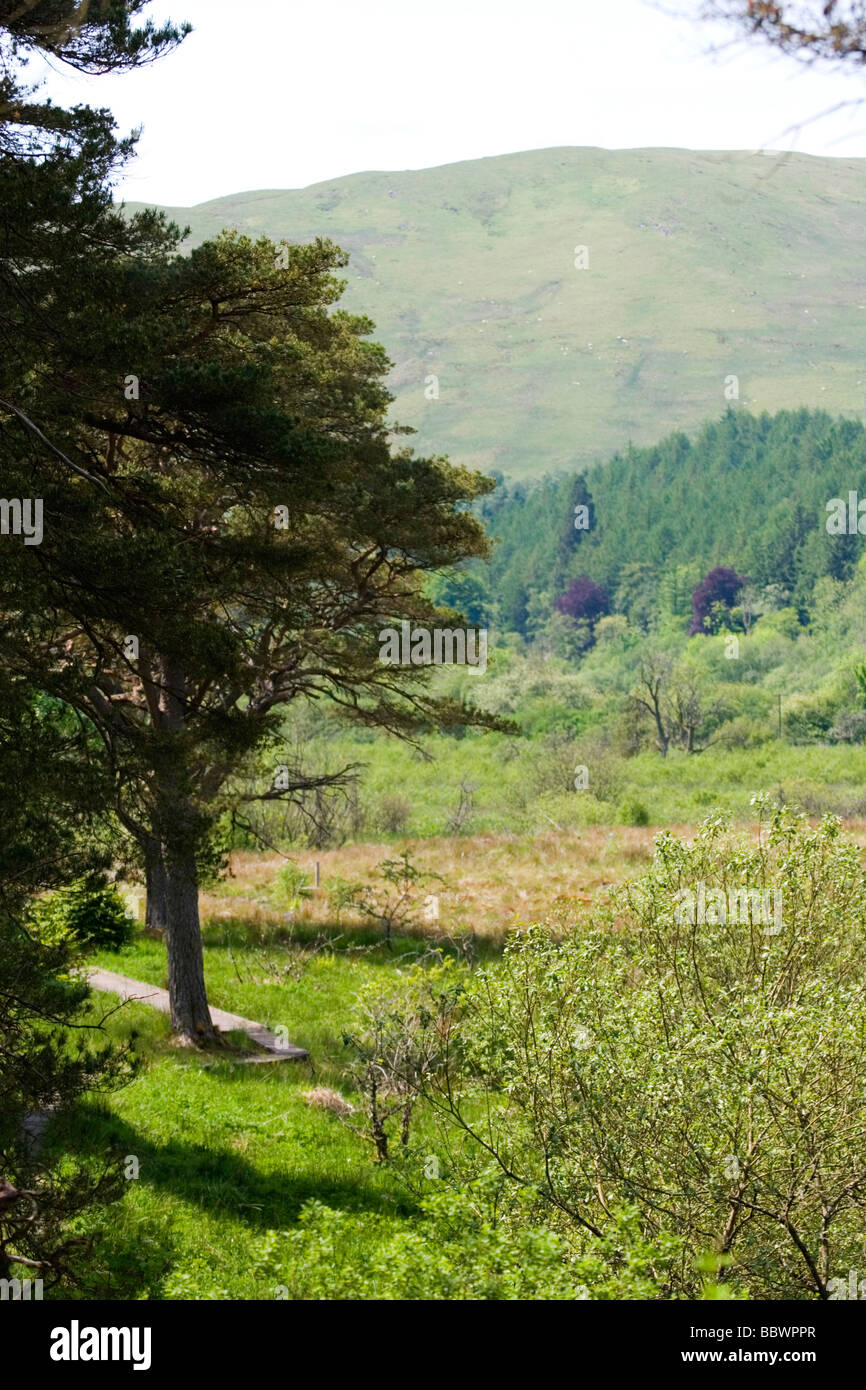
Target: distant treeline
750	492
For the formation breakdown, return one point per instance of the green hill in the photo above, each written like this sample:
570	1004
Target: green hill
701	266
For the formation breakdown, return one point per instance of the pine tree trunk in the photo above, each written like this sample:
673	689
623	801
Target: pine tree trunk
177	826
190	1016
156	915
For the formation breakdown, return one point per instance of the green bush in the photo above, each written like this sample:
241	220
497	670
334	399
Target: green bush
343	893
394	814
808	718
706	1067
85	915
291	887
632	811
454	1253
743	732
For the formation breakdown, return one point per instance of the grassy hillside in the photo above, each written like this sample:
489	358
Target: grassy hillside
701	265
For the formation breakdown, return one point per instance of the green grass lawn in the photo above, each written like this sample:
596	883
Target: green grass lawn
228	1151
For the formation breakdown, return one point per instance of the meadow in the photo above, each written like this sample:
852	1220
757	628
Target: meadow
255	1180
497	785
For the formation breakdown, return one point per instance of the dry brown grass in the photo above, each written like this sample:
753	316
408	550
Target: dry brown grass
324	1098
492	882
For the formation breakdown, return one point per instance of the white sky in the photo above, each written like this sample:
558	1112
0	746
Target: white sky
284	93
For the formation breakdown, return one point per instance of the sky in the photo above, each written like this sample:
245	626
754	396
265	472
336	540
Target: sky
285	93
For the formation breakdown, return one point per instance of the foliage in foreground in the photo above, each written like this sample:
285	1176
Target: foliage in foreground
456	1253
710	1073
87	913
52	1052
50	1056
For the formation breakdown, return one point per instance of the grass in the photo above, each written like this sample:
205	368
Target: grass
228	1151
524	787
491	882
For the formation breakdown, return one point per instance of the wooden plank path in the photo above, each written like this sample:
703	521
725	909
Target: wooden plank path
125	988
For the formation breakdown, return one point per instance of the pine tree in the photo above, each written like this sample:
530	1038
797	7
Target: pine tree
59	233
59	230
579	521
53	798
252	531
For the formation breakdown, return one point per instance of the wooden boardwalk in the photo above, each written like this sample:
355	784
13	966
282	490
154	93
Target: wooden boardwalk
269	1042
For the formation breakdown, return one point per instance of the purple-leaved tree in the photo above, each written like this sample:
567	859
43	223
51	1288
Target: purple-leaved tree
721	585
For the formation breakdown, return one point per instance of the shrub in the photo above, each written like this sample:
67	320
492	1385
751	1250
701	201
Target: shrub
709	1073
455	1252
342	894
566	810
86	914
394	813
850	726
604	766
632	811
291	887
808	718
395	899
52	1054
743	732
395	1041
460	819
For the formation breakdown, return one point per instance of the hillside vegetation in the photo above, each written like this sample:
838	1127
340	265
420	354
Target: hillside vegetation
768	689
700	266
746	492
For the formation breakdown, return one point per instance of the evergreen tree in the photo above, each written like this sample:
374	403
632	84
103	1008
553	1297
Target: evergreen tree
252	533
579	521
59	231
53	799
58	234
749	492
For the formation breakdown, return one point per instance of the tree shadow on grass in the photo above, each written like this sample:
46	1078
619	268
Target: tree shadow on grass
367	942
135	1253
220	1181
